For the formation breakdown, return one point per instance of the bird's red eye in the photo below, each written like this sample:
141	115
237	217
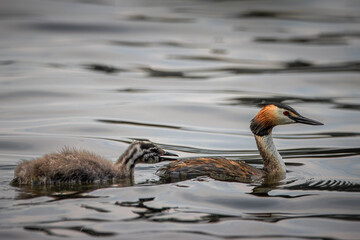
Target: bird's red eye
286	113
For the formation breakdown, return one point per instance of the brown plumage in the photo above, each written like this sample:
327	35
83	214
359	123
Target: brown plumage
216	168
81	166
224	169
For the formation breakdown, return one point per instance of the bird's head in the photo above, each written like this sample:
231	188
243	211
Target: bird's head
149	152
277	114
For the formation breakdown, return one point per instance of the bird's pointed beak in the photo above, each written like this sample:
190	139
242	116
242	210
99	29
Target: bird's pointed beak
167	156
305	120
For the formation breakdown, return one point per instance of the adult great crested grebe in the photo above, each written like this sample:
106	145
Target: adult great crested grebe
224	169
80	166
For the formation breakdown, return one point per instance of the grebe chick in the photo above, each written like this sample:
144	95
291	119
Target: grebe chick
81	166
223	169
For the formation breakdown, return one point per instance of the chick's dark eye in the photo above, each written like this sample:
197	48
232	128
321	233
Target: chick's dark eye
286	113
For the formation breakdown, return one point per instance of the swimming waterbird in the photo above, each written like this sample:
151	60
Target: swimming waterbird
261	126
81	166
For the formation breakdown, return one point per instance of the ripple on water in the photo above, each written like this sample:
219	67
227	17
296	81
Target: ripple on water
188	76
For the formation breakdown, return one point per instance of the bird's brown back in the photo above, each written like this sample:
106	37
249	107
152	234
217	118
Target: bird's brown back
216	168
69	165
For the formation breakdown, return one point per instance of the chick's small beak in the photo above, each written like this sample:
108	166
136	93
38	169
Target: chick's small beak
304	120
167	156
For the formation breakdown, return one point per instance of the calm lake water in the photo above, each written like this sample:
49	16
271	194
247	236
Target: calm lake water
188	75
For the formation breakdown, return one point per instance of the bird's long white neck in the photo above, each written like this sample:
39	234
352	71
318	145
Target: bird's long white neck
273	162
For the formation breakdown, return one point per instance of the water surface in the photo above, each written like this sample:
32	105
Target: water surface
188	75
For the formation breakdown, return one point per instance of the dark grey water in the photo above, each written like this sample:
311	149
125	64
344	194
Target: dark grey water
187	75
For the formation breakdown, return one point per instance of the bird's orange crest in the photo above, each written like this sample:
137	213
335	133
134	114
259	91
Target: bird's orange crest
266	117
